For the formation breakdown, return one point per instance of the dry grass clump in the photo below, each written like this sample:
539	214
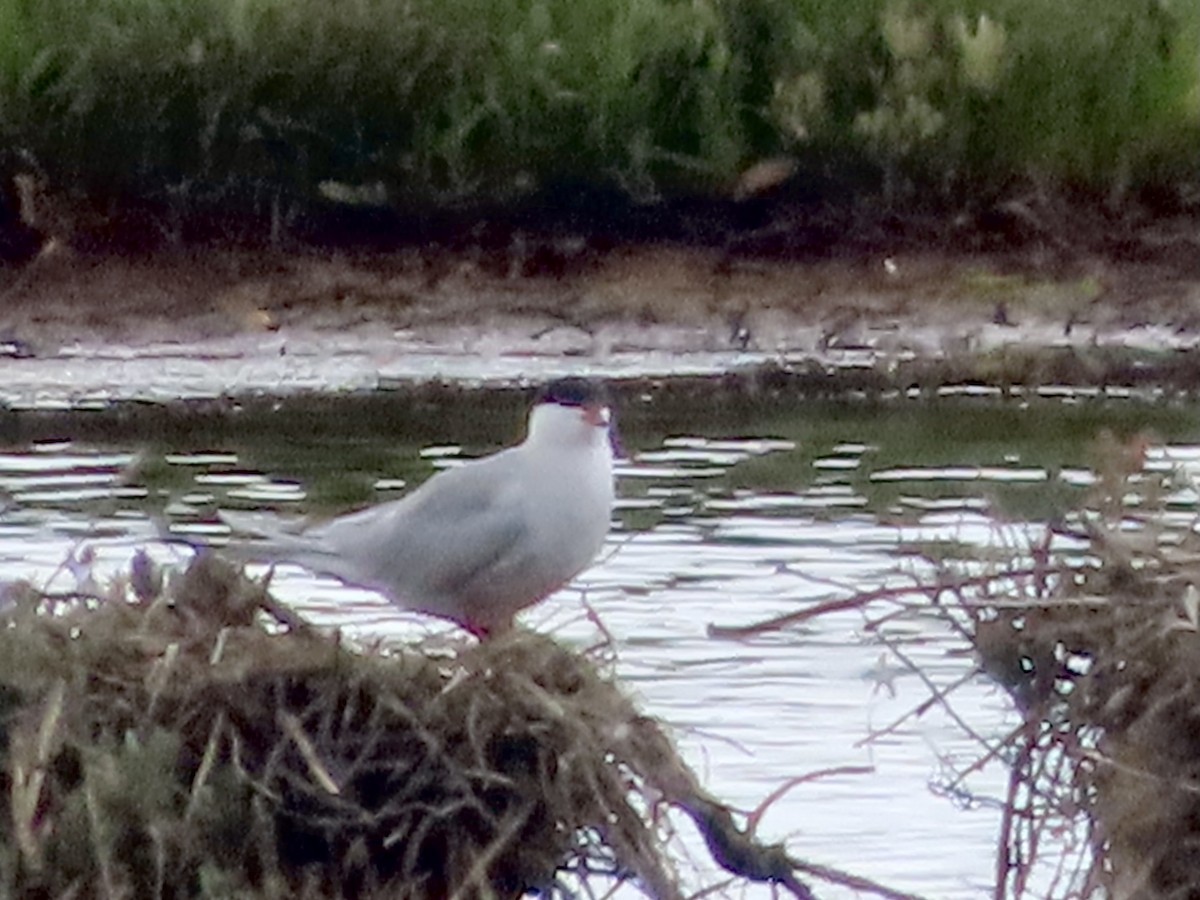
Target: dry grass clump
204	742
1093	629
1101	652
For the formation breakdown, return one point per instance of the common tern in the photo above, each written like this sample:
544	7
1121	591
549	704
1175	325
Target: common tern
477	543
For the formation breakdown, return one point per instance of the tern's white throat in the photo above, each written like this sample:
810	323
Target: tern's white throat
553	424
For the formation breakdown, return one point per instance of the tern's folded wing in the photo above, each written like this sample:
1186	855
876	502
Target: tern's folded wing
438	541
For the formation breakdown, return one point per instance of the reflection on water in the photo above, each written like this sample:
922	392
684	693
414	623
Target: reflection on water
725	519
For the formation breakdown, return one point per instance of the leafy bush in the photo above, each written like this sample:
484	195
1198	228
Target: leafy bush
277	105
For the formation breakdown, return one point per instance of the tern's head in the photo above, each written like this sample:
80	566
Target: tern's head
571	410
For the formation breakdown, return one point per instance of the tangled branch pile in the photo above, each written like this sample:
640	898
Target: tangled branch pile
1093	629
191	745
1101	653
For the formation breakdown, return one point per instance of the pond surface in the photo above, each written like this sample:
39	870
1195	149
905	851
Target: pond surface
729	513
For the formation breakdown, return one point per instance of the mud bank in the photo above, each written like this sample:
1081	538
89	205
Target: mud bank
82	331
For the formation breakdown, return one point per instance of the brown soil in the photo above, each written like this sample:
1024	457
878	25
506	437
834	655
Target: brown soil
1010	267
64	297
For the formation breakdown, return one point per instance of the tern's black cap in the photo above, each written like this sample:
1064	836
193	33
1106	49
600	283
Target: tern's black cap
574	392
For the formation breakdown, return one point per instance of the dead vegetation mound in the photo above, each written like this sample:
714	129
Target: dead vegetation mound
1100	649
204	742
1092	627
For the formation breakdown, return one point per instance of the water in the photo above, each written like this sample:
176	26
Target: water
729	513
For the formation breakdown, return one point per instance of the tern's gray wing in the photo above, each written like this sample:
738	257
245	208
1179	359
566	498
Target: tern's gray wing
435	543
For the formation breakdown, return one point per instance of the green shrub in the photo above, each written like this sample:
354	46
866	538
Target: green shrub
968	96
270	106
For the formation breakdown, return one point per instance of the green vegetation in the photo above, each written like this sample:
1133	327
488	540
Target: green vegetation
277	106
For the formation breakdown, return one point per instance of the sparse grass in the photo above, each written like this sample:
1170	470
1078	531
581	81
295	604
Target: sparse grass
269	107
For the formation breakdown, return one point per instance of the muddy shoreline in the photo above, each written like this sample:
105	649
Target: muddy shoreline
195	329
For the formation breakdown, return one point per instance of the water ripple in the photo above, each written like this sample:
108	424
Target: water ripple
728	531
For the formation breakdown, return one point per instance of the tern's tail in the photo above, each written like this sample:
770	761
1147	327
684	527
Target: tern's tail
275	541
